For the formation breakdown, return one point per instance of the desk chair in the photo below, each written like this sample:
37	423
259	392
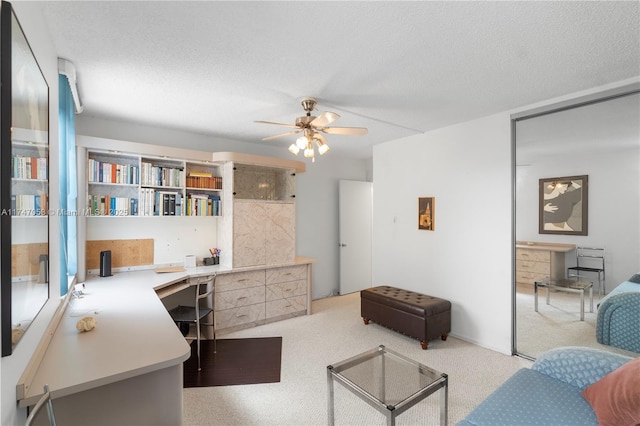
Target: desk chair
44	400
204	287
589	260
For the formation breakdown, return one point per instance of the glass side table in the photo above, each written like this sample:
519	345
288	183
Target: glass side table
389	382
568	286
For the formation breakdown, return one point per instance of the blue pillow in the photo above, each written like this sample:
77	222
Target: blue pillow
635	279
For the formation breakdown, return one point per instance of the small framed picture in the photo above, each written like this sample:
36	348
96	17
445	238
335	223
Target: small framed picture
563	205
426	213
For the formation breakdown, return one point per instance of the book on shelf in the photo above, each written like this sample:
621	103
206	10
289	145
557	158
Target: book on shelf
200	174
179	211
172	204
133	206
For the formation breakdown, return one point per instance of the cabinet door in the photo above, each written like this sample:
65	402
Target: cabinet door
249	234
280	233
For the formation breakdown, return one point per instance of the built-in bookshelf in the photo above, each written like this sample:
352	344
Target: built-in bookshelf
132	185
29	177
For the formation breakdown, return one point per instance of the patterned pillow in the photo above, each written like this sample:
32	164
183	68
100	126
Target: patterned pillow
635	279
616	397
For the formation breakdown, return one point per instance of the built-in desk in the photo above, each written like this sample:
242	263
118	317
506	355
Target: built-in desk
128	370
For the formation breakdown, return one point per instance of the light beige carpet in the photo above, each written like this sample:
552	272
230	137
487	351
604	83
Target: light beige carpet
333	333
555	324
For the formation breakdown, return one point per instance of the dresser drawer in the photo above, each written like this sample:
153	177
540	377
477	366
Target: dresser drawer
289	305
285	274
238	316
535	267
533	255
239	280
284	290
237	298
530	277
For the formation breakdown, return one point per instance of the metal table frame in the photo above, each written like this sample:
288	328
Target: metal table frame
390	411
568	286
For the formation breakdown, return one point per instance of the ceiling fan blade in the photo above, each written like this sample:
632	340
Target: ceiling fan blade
268	138
324	119
292	126
345	130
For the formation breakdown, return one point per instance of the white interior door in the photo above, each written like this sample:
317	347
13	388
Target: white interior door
356	210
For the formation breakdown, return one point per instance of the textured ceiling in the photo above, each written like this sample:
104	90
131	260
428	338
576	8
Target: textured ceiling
397	68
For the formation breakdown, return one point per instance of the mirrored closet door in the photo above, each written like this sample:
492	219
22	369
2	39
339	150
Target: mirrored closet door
590	153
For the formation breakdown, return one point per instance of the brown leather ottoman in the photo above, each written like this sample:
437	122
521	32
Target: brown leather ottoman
413	314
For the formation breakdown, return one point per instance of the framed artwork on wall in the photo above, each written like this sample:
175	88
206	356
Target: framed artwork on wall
426	213
563	205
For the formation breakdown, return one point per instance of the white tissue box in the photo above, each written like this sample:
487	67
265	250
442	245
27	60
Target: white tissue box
190	261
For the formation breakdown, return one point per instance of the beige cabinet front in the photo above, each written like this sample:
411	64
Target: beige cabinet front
249	298
249	234
286	290
263	233
536	265
239	299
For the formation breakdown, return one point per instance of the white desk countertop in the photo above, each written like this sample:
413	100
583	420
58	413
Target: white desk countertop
134	333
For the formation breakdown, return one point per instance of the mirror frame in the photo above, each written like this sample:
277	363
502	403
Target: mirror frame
7	20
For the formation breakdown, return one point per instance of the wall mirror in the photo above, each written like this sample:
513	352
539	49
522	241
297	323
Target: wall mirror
24	183
600	140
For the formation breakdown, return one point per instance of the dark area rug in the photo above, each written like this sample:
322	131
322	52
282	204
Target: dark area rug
236	362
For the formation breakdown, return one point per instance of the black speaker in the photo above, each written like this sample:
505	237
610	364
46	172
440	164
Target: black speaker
105	263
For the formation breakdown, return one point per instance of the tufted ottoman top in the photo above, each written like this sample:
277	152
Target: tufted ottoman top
405	300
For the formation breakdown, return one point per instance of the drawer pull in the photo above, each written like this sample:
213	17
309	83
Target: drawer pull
241	316
242	297
288	306
288	289
243	279
288	273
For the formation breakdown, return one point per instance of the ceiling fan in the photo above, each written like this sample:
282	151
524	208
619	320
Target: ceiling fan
312	128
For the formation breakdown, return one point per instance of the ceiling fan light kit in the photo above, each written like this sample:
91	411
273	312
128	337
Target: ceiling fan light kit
312	127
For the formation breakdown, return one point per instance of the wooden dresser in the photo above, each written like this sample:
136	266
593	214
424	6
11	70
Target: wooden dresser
538	261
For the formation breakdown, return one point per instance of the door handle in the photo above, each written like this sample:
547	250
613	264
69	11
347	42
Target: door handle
342	245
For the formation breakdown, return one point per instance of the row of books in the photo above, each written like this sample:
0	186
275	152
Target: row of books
29	205
103	172
29	168
151	175
204	182
160	203
203	205
170	203
106	205
155	203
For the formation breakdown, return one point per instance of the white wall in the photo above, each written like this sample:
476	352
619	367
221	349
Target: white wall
180	236
12	367
467	258
318	217
613	204
316	193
